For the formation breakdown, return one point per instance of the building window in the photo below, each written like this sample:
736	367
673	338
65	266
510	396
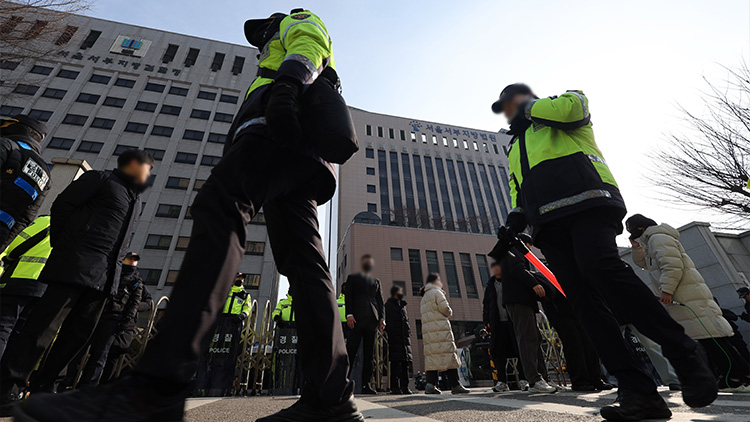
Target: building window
150	276
193	135
453	178
488	195
26	89
373	208
57	94
424	138
218	138
370	171
239	63
168	211
191	57
368	129
145	106
177	90
7	110
35	29
88	98
469	280
162	131
171	277
66	35
455	143
205	95
99	79
255	248
171	110
398	209
403	135
223	117
471	216
494	147
180	183
154	87
102	123
432	262
125	83
198	185
119	149
182	243
499	190
92	147
41	115
415	269
380	131
231	99
434	140
200	114
466	144
114	102
158	241
445	141
75	120
136	127
186	157
484	269
390	133
385	205
90	39
67	74
61	143
169	53
443	185
41	70
157	154
7	64
210	160
422	212
369	153
371	189
413	137
451	274
485	147
259	219
252	281
397	254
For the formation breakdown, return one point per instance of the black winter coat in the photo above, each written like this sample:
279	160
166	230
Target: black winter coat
364	298
490	311
92	224
518	282
398	330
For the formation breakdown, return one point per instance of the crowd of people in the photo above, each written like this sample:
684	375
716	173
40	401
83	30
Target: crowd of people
279	154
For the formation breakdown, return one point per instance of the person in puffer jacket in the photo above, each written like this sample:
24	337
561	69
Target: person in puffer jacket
657	249
440	352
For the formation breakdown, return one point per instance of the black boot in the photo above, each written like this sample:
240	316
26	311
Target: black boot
698	382
634	406
8	401
309	411
131	399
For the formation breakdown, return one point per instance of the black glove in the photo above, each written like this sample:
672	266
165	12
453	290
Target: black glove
281	113
516	222
745	317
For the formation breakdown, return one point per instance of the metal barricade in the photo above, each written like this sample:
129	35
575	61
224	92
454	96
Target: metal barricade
141	339
382	370
552	349
254	358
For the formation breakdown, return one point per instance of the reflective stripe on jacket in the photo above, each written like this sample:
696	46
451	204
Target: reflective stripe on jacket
341	302
23	273
556	167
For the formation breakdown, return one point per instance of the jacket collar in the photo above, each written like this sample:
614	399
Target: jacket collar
129	181
28	141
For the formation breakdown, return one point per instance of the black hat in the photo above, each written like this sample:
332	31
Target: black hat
252	25
243	275
509	92
31	123
743	291
133	255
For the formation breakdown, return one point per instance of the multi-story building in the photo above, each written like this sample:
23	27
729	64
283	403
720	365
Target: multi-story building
107	87
423	197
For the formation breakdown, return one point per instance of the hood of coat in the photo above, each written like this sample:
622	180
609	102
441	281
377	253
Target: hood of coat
662	228
430	286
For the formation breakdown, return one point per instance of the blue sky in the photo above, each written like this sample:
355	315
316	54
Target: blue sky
446	61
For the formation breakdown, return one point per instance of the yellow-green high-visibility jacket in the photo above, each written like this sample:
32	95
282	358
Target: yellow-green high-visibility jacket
556	168
341	301
19	275
238	302
284	309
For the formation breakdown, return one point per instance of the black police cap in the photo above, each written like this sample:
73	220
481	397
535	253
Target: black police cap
509	92
32	123
253	25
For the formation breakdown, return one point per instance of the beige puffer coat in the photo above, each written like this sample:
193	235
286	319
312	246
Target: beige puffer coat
440	352
672	271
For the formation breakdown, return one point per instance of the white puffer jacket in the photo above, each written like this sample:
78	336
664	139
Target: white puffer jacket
672	271
440	352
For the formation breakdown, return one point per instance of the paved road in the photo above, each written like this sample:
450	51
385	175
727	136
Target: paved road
480	406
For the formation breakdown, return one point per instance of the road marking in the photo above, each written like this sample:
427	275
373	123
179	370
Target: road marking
375	412
192	403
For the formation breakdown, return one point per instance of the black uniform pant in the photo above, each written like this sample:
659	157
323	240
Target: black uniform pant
728	364
399	376
503	347
254	172
582	252
13	313
364	332
73	310
580	355
100	345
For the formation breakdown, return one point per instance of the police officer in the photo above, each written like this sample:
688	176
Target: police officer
24	180
238	301
341	302
561	186
284	314
268	164
23	261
